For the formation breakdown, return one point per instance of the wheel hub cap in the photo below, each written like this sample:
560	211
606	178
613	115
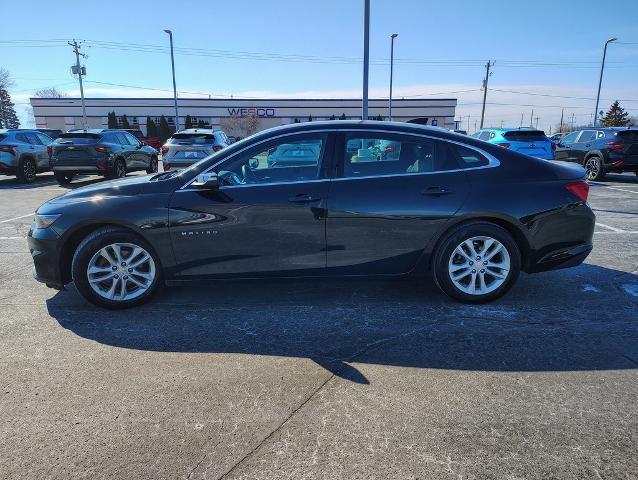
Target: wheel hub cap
121	271
490	254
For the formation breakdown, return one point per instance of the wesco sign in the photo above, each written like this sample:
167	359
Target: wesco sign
259	112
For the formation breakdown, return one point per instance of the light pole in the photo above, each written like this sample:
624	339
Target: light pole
600	80
366	58
170	36
392	37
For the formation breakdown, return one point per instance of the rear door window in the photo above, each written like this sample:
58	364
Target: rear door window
587	136
121	138
569	138
44	139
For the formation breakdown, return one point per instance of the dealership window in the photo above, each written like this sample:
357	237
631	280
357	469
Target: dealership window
394	154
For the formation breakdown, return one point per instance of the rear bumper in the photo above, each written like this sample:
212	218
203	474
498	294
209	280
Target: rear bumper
562	258
79	169
43	246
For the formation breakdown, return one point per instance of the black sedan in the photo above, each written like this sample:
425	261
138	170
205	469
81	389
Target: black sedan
379	199
111	153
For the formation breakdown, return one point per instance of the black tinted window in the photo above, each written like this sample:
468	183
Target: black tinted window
628	135
193	139
376	155
78	138
464	157
526	136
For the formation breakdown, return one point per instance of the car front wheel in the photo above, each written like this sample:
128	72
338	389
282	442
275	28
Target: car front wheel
476	263
115	268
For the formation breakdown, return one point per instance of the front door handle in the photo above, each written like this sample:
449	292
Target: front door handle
303	198
436	191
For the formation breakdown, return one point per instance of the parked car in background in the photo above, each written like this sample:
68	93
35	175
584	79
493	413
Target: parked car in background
150	141
111	153
523	140
378	198
557	136
192	145
601	150
23	153
51	132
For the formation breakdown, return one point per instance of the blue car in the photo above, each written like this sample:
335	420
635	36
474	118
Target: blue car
523	140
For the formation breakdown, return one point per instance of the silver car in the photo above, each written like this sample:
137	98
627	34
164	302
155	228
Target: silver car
190	146
23	153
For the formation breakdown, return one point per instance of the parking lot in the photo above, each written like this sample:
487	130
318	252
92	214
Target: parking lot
324	379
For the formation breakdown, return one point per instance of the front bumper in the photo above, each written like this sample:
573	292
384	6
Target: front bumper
44	249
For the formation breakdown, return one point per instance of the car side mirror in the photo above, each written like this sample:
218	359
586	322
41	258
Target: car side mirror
206	181
253	163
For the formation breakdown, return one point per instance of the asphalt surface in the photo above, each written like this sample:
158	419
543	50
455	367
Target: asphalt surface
331	379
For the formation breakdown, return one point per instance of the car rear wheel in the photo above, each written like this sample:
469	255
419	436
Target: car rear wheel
119	169
476	263
115	268
27	170
594	168
152	168
63	178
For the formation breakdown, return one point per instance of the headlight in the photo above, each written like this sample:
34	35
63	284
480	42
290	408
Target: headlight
44	221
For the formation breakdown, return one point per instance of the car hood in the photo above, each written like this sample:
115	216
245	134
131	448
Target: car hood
115	188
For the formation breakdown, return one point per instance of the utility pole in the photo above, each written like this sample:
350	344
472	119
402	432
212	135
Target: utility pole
600	80
562	113
531	118
468	123
536	122
366	58
521	125
392	37
488	65
80	71
475	122
170	36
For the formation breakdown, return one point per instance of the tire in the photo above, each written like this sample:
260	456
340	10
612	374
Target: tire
483	237
63	178
119	169
113	283
27	170
594	168
152	168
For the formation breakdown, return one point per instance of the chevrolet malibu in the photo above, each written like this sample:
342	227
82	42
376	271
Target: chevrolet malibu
378	199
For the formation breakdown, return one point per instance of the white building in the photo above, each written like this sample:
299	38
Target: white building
66	113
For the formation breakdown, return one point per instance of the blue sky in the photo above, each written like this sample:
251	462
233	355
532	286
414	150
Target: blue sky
313	48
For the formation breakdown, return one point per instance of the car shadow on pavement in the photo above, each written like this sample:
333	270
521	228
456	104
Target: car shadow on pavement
579	319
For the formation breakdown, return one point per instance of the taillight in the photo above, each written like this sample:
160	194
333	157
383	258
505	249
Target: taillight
164	149
102	149
615	146
167	167
7	149
504	145
580	189
553	146
217	148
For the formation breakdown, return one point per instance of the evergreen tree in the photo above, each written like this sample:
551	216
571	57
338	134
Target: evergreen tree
188	123
332	117
310	118
201	124
297	120
125	123
112	120
616	116
342	117
8	117
151	128
163	132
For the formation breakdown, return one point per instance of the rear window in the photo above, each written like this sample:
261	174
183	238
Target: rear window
193	138
629	135
526	136
81	138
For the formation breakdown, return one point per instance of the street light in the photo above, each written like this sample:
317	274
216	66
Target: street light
392	37
600	80
366	58
170	36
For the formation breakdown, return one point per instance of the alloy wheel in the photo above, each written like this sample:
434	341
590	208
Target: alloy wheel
479	265
592	167
121	271
120	169
28	169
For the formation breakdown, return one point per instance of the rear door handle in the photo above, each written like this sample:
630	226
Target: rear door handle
436	191
303	198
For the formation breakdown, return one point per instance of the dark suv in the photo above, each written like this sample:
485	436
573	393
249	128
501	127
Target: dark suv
601	150
111	153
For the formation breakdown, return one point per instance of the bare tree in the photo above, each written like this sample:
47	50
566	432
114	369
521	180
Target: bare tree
51	92
239	126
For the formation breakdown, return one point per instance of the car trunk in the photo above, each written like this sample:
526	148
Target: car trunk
530	142
191	147
74	148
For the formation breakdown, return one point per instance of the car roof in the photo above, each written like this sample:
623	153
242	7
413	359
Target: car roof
7	130
200	130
